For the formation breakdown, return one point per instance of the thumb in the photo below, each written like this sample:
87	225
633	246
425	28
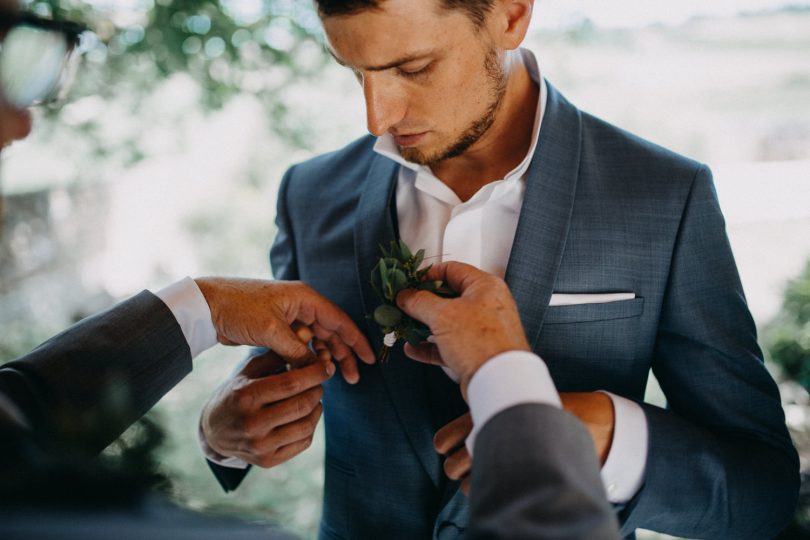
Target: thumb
421	305
286	343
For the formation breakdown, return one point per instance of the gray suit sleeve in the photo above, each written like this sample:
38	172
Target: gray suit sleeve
535	475
85	386
282	260
721	463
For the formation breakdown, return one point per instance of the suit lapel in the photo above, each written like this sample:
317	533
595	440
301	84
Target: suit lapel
545	216
531	272
540	236
404	379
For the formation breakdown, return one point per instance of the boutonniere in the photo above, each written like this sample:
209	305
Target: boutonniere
399	269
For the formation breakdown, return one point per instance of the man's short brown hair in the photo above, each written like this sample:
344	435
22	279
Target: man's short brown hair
477	10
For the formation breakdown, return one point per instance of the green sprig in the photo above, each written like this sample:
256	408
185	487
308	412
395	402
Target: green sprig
398	269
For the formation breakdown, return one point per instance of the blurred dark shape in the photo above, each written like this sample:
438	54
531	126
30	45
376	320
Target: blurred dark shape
54	486
800	528
54	493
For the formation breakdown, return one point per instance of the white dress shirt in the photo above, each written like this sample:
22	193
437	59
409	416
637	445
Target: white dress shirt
188	305
480	232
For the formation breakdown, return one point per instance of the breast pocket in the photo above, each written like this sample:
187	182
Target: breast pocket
588	345
578	313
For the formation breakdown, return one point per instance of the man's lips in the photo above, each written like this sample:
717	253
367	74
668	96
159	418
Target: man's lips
404	141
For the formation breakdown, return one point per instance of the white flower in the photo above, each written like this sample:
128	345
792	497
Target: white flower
390	339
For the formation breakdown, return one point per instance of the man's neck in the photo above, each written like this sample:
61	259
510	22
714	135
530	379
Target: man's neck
502	147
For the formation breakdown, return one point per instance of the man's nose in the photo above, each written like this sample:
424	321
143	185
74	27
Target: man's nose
385	106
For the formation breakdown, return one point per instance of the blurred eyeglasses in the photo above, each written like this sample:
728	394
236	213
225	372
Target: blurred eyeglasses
37	58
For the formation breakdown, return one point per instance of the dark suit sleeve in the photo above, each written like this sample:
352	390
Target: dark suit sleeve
721	463
536	475
85	386
283	262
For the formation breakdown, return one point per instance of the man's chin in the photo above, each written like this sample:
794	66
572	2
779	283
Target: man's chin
418	155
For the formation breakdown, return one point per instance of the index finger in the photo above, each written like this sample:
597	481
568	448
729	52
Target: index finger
290	383
334	347
332	319
458	276
421	305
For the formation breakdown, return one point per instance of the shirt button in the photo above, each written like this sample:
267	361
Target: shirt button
612	487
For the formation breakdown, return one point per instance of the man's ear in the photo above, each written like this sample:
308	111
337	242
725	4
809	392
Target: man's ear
509	22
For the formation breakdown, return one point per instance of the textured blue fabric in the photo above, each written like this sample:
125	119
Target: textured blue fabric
604	211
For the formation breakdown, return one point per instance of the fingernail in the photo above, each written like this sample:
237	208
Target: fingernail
330	368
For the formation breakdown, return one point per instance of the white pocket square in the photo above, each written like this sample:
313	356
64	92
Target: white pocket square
575	299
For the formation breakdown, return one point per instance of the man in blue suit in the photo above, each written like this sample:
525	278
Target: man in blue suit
616	253
54	402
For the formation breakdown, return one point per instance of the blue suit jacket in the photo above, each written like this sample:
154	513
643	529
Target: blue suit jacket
604	211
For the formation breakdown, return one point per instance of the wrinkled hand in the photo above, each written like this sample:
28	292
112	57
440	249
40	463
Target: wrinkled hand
469	330
266	415
261	313
595	410
449	442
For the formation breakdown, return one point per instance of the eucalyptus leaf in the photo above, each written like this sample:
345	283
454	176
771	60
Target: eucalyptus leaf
388	316
383	271
418	258
396	270
376	281
399	280
405	252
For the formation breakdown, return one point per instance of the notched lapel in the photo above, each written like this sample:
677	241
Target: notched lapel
404	378
373	227
545	216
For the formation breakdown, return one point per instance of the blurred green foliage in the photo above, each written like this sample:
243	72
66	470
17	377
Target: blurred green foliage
227	47
787	337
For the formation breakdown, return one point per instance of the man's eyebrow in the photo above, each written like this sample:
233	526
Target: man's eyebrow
396	63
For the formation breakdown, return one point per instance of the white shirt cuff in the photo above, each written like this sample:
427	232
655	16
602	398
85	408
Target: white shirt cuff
214	457
188	305
508	379
623	471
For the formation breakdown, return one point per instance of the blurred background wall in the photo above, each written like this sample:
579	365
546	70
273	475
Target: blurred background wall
166	159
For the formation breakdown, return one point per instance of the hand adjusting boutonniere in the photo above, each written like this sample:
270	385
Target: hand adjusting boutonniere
398	269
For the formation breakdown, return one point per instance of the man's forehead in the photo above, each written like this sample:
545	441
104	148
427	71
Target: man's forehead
347	8
395	34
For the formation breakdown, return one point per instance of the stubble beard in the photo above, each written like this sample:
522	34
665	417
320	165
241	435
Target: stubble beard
477	129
